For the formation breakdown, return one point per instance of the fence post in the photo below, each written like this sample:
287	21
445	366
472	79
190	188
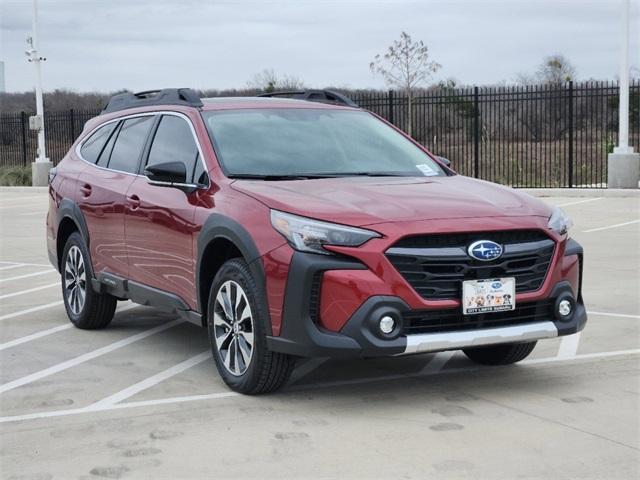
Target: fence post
570	127
390	106
23	125
476	133
73	125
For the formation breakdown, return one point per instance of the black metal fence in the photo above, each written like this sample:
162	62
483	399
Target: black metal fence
534	136
530	136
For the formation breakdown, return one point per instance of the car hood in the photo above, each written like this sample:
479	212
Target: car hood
363	201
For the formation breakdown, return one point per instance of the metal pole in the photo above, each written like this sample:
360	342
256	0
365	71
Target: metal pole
570	159
36	59
476	133
623	110
23	125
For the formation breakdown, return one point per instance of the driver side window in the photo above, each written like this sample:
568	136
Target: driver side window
174	142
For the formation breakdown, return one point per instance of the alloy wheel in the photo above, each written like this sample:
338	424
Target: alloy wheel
233	328
75	280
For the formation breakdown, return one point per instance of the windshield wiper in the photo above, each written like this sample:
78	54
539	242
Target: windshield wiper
373	174
252	176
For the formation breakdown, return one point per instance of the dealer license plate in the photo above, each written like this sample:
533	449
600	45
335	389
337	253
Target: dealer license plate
490	295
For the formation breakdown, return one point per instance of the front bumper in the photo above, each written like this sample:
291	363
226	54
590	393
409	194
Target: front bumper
302	335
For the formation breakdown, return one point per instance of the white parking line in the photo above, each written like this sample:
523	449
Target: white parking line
9	267
23	292
213	396
28	275
49	331
86	357
611	226
569	346
580	201
22	199
34	336
21	264
153	380
607	314
43	213
30	310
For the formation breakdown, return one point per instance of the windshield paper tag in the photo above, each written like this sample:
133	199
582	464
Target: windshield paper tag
427	170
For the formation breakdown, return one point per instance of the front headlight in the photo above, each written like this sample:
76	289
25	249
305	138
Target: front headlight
308	235
559	221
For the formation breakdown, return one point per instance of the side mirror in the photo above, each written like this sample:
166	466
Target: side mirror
446	161
169	174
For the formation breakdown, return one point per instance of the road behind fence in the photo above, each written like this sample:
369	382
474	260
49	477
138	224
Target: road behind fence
533	136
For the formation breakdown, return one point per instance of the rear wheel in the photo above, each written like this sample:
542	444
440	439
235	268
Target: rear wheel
85	308
236	322
500	354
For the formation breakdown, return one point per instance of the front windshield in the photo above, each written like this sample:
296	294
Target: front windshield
313	142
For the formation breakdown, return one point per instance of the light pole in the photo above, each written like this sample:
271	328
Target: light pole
623	166
40	168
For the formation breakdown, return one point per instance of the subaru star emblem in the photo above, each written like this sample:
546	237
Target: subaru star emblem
484	250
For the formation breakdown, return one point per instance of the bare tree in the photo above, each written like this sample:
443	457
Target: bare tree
269	81
556	70
406	65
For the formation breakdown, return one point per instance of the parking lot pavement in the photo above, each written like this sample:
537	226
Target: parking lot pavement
141	399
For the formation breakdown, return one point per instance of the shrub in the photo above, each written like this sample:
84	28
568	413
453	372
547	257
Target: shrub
15	176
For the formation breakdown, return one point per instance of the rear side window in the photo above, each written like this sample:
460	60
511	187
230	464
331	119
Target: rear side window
93	146
132	136
103	159
174	142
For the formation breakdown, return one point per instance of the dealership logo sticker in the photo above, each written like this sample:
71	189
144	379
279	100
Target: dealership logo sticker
484	250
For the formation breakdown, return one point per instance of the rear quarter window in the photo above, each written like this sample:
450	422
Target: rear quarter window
93	146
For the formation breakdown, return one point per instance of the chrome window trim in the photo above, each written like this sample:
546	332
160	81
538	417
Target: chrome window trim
145	114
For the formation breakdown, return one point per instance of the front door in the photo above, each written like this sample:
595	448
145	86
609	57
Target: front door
159	226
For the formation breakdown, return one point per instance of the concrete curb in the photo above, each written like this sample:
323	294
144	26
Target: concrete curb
583	192
5	189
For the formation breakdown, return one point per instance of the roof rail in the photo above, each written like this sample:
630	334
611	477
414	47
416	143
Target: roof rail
166	96
322	96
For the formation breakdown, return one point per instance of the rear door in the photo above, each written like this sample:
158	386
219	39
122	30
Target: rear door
159	224
103	187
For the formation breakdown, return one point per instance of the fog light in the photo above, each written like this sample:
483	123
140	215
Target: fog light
387	324
564	308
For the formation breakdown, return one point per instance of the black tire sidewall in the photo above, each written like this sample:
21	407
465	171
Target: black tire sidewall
76	240
238	271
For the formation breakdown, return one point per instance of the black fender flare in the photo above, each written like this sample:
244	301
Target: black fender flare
69	209
220	226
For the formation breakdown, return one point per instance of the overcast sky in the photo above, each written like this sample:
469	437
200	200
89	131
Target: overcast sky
106	45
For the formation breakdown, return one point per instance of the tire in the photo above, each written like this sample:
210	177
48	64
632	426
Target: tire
85	308
236	323
505	354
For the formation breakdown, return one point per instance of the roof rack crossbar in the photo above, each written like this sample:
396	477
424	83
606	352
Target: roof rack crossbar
322	96
166	96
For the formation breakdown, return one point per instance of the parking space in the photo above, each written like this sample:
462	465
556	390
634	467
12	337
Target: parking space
141	399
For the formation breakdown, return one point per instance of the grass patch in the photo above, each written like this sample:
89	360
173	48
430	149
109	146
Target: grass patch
15	176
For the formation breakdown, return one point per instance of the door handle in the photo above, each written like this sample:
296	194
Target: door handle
134	201
85	190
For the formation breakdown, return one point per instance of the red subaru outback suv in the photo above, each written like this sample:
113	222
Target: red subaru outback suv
298	227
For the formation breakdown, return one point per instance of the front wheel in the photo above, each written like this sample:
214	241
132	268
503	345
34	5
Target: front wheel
236	324
505	354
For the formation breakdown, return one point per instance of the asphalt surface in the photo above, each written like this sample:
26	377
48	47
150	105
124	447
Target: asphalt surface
142	400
